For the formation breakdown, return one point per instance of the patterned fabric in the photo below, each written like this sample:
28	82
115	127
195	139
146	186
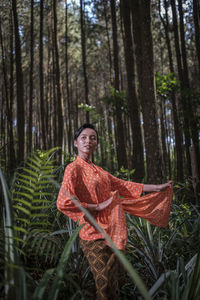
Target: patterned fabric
106	269
91	184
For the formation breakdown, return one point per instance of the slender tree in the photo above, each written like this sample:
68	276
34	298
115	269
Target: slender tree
84	61
184	103
69	122
41	70
177	130
105	13
188	101
57	72
20	86
10	142
196	17
30	121
120	142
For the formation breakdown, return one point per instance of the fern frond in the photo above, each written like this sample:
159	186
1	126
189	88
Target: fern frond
33	197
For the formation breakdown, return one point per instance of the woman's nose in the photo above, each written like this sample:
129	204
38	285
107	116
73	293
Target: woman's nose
88	140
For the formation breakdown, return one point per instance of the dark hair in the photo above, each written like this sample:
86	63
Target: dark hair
84	126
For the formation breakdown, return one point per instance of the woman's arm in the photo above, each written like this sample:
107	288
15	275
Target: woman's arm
99	206
156	187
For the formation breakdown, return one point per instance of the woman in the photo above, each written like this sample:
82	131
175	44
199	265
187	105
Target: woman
107	198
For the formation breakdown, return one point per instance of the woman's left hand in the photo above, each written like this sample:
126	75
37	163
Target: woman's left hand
149	188
162	187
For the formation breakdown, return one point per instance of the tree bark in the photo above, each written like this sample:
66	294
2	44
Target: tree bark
190	109
57	73
196	17
184	103
177	131
120	142
20	87
42	111
10	141
30	121
108	39
84	63
138	152
69	124
141	15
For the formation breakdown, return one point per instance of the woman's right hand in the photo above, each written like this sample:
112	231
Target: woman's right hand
100	206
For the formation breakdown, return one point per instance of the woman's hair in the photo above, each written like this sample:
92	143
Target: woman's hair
84	126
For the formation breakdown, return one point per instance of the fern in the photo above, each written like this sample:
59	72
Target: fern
33	201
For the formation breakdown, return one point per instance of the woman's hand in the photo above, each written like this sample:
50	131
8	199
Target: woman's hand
100	206
156	187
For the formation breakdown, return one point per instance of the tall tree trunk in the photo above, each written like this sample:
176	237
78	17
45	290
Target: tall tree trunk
10	157
108	115
42	111
30	121
190	109
163	137
108	38
120	142
20	87
138	152
177	131
58	92
196	17
11	88
141	13
69	122
181	78
84	62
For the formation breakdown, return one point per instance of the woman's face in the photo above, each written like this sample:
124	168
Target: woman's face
86	142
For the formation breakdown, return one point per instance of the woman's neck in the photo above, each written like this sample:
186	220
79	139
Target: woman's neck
85	156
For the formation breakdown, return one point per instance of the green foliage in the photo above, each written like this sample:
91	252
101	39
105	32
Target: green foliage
35	245
116	100
166	84
32	200
156	251
93	111
124	173
59	272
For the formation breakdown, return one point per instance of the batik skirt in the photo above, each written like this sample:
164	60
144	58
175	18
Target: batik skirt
107	270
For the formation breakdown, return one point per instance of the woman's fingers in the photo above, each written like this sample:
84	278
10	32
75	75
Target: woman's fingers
105	204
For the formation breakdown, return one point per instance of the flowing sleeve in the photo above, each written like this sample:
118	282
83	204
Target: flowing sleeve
67	193
126	189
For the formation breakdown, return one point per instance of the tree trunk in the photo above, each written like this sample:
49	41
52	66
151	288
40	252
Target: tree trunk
42	112
138	152
190	109
181	78
30	121
108	38
10	157
57	73
20	87
141	13
163	137
177	131
84	63
11	87
68	121
196	17
120	142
